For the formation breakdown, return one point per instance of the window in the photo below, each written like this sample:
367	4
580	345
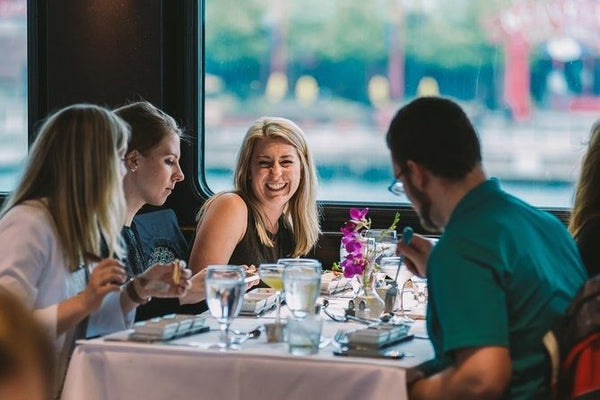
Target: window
13	91
526	72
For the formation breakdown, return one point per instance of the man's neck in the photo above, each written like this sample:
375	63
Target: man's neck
451	193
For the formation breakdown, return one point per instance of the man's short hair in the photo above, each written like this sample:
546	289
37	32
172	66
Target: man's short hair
436	133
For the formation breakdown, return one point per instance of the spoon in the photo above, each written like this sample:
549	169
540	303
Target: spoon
253	334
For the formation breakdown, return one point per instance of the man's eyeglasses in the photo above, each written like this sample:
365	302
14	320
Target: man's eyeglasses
397	187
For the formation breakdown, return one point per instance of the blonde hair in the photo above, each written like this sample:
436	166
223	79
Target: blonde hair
587	192
301	214
74	167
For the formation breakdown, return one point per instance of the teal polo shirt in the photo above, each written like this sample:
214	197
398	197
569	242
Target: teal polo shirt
502	274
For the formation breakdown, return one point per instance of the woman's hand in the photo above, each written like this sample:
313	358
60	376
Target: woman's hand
197	290
107	276
251	271
415	254
164	280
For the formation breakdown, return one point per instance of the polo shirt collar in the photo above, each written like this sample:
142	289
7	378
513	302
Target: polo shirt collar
474	197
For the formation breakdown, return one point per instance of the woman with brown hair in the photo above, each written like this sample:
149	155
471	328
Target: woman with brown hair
584	223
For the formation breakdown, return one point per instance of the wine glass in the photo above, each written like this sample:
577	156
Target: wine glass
302	283
420	290
272	275
225	289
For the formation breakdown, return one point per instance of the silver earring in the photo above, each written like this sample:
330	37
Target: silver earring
133	169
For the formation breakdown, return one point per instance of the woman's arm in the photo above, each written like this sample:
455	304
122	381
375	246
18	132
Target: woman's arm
106	277
222	228
159	280
34	269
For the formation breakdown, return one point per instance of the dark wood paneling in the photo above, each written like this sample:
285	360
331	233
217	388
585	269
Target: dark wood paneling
327	249
103	52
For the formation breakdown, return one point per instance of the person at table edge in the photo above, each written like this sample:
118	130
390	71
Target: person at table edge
501	274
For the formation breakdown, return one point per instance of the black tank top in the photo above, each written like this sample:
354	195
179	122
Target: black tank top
250	251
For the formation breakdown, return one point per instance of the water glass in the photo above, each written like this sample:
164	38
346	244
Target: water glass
225	290
316	264
386	242
302	284
304	334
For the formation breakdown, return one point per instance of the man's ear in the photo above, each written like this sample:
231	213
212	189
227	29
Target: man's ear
419	174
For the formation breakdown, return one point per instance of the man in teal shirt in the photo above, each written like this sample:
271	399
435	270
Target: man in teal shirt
502	272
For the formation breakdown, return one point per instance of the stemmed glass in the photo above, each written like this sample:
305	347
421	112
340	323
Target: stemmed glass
420	285
225	289
272	275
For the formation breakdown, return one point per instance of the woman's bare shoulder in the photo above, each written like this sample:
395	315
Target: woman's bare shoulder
228	204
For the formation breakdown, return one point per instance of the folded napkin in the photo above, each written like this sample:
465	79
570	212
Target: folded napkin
257	301
419	312
332	283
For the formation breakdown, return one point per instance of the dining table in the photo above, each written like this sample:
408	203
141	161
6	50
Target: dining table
113	367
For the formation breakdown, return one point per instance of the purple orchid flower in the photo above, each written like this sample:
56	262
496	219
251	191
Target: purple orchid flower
357	214
348	228
354	247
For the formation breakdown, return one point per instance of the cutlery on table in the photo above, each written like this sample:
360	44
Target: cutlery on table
392	292
253	334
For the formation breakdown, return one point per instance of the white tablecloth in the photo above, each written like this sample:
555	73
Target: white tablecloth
103	369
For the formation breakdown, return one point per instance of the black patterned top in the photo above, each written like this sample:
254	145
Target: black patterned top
134	261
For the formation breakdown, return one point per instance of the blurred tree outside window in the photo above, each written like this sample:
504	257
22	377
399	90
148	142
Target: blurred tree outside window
527	72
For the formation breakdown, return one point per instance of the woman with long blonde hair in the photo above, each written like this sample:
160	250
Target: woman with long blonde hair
272	211
69	207
584	223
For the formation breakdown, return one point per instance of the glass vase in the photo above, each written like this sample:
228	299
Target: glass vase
367	302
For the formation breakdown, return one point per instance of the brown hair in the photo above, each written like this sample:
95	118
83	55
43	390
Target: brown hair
587	191
149	125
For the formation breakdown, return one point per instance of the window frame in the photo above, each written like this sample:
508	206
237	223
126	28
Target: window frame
334	214
180	27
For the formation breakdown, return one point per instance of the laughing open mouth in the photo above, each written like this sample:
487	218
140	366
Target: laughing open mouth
276	186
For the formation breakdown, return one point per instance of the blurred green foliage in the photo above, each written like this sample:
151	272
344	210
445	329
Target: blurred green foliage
335	40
